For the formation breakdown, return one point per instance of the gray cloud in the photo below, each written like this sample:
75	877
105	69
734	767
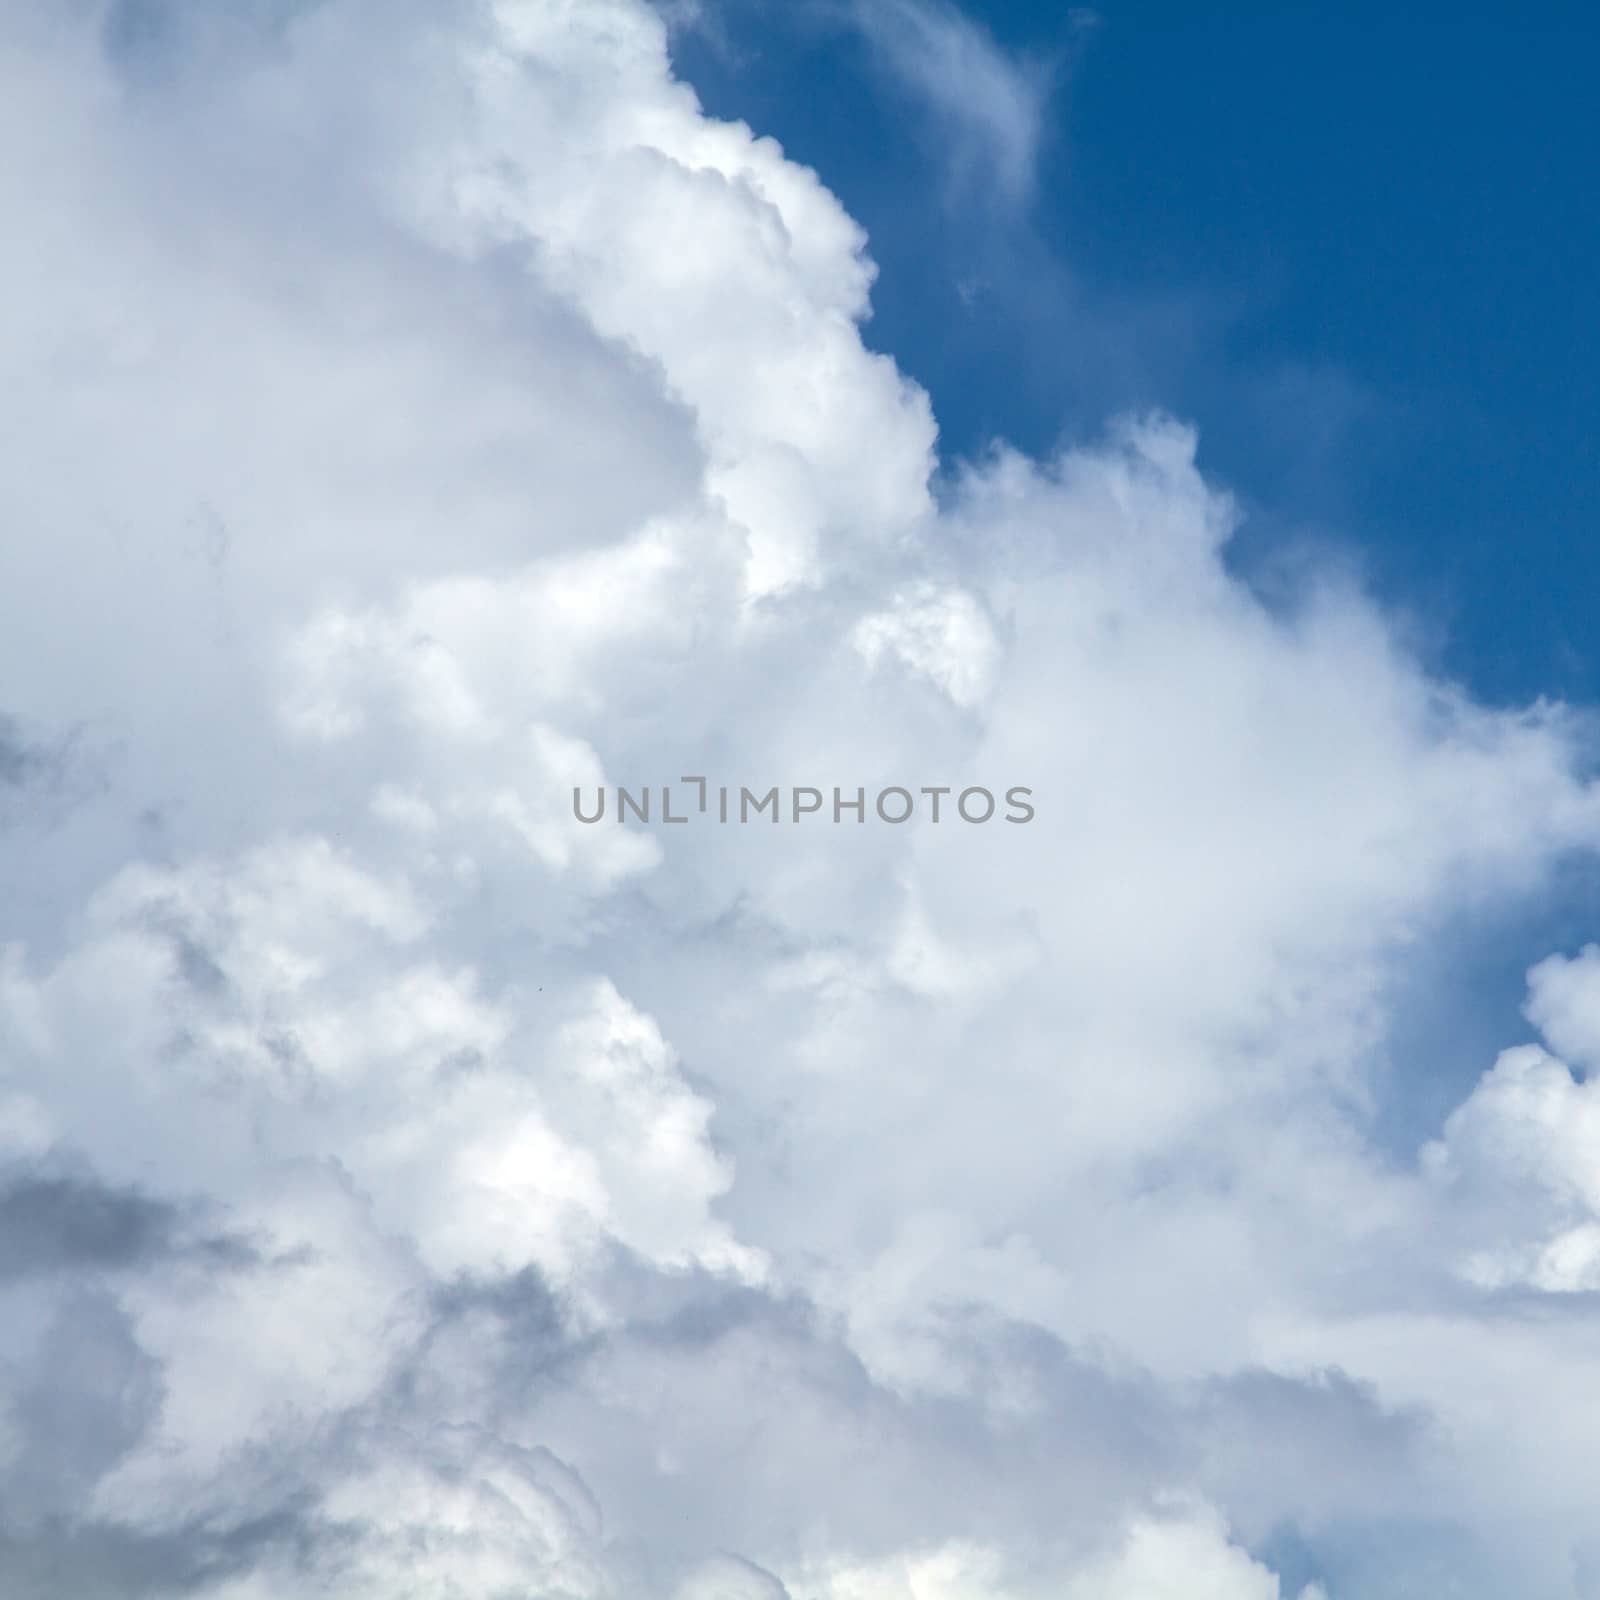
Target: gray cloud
55	1221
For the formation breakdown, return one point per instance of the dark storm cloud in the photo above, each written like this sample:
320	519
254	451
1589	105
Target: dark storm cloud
41	776
55	1221
17	760
61	1557
24	760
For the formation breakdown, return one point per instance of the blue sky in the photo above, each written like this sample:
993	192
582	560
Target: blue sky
1357	249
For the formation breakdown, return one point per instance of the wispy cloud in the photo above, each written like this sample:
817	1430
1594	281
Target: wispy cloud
995	102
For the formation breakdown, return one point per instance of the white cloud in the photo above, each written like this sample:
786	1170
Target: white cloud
1179	1553
1564	1003
943	635
420	412
1179	1557
991	105
1527	1141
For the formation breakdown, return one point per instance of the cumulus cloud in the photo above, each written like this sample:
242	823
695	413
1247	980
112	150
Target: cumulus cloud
421	412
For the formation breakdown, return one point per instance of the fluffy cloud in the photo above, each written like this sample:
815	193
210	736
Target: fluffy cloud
421	412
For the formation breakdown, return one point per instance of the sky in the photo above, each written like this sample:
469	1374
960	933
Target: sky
1354	247
427	419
